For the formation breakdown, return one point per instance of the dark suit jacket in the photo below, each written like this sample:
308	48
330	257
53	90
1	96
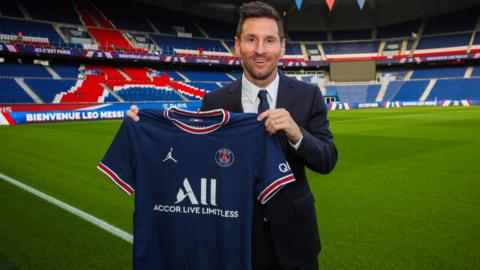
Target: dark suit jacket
292	234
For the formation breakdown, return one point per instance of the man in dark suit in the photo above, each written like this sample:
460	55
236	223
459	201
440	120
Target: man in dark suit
285	232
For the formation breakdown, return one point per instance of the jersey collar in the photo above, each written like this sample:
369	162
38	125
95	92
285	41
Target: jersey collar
167	113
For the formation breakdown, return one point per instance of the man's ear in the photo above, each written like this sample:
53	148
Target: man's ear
237	46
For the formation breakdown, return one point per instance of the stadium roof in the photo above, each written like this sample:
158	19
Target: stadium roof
314	14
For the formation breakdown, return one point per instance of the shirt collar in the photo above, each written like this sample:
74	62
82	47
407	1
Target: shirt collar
251	90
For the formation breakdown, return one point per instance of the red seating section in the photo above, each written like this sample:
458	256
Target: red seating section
113	40
92	88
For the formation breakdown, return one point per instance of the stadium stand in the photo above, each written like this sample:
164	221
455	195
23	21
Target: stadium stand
47	89
411	90
476	71
147	93
355	92
33	29
170	43
207	86
137	73
459	21
216	29
11	92
111	39
293	49
455	89
66	71
359	47
445	41
392	89
451	72
24	70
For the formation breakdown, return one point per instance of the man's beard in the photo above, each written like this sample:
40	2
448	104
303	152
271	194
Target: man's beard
257	77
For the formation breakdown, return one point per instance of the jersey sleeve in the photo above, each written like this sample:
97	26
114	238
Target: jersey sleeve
275	171
119	162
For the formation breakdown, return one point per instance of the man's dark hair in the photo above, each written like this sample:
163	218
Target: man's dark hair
258	9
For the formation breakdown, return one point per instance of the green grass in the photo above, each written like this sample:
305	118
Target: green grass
405	193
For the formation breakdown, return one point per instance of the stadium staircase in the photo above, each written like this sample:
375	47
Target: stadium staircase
28	90
429	88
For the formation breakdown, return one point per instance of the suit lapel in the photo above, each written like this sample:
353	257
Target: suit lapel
284	93
234	97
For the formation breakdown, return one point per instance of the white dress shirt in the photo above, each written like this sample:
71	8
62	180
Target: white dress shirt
250	100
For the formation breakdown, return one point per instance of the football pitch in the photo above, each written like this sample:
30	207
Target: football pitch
405	193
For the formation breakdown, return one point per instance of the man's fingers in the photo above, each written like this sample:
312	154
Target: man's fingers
264	115
133	113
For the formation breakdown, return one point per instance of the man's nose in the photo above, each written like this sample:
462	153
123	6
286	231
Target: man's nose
260	47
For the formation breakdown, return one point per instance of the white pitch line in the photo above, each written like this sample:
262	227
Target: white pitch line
77	212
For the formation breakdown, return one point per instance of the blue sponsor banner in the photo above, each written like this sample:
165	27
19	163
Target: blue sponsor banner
102	112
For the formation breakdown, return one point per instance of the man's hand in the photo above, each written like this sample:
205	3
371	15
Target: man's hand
133	113
280	119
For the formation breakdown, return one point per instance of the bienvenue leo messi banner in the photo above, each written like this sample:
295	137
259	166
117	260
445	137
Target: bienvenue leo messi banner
89	113
397	104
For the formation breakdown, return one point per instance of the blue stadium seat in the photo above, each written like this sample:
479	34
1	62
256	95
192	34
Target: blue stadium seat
47	89
66	71
411	90
433	42
392	89
476	71
30	28
355	92
216	29
351	47
450	72
11	92
456	89
24	70
293	49
165	20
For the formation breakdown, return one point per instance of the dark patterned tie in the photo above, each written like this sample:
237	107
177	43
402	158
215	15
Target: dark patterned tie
263	106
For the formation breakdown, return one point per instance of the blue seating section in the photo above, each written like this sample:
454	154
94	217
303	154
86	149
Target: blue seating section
456	89
352	34
46	89
476	41
165	19
450	72
216	29
123	16
351	47
49	11
411	90
392	89
208	86
23	70
397	73
29	28
404	29
307	36
208	76
476	71
110	98
9	8
293	49
433	42
236	74
168	43
355	92
11	92
463	20
173	74
148	94
66	71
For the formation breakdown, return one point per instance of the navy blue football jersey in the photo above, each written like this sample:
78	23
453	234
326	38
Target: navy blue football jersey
195	176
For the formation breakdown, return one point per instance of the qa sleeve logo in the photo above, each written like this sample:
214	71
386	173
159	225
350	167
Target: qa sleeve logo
224	157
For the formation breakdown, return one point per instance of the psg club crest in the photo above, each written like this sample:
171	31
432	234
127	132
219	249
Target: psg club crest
224	157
